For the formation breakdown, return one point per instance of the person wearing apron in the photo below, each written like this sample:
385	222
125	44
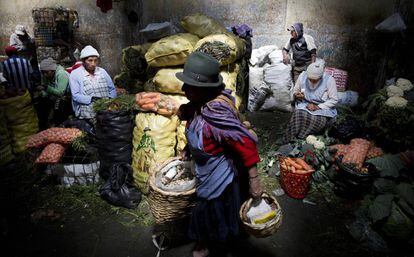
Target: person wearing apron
315	96
89	83
224	152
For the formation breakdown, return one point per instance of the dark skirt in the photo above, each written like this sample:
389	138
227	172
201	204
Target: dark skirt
303	124
217	219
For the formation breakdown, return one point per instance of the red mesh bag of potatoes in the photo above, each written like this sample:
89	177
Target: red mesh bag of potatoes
51	154
357	152
53	135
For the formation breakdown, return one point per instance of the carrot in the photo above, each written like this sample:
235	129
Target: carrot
149	106
303	164
291	162
293	169
151	95
164	112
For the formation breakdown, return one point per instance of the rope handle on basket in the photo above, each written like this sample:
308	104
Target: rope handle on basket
159	245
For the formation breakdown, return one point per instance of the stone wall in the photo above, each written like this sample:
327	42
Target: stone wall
343	30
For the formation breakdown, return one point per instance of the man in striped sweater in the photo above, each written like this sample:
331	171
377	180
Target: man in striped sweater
16	71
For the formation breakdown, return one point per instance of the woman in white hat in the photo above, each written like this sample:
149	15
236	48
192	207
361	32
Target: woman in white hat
89	83
22	41
315	97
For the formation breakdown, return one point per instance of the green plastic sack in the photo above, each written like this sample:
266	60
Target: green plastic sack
21	120
237	47
126	81
155	138
133	59
201	25
166	82
171	51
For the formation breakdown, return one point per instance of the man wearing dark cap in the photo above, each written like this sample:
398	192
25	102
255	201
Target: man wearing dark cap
303	50
224	152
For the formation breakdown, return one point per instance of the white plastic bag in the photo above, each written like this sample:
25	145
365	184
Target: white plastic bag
260	54
392	24
278	78
348	98
276	56
258	90
76	173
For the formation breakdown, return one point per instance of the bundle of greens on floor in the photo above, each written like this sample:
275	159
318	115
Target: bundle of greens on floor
387	214
120	103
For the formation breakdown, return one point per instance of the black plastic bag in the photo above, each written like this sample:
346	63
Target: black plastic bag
114	139
348	129
117	190
350	183
83	125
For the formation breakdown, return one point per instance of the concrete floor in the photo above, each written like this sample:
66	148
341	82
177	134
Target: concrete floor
307	230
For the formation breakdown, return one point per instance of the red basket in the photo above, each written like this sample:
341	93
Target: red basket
295	185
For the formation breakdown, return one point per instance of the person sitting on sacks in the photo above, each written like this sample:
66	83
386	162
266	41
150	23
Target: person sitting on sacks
54	89
224	151
315	97
89	83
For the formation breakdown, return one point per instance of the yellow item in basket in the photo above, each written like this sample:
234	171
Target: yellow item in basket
262	219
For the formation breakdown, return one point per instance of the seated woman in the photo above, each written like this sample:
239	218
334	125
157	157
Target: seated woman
224	151
315	97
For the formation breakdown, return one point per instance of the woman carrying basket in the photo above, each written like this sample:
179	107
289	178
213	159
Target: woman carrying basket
224	151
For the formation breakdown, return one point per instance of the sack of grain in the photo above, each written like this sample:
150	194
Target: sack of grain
155	138
229	74
21	120
133	59
171	51
201	25
166	81
226	48
126	81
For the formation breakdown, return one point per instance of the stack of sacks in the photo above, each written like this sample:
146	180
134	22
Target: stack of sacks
134	69
270	83
54	141
159	134
227	48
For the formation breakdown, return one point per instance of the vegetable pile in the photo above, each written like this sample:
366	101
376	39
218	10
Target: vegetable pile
120	103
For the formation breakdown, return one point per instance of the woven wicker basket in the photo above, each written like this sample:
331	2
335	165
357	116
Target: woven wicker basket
270	227
168	206
295	185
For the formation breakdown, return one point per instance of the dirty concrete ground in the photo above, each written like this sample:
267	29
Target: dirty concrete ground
40	218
